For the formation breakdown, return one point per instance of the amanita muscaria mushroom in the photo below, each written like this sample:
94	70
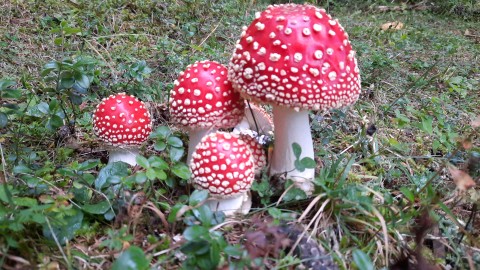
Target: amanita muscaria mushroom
296	58
123	122
251	138
256	119
223	164
203	100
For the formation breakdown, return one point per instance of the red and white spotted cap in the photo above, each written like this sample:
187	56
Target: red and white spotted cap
222	164
257	150
295	56
122	120
203	97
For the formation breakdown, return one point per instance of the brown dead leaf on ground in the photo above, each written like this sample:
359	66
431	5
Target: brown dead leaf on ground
476	122
462	180
392	26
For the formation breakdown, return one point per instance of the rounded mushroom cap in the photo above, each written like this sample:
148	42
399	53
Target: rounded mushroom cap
257	150
122	120
295	56
259	116
203	97
222	164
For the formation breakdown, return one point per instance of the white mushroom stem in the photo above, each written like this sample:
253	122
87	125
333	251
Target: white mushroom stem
240	204
291	127
194	137
127	155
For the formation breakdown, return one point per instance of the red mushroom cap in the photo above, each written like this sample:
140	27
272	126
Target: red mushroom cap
258	115
203	97
257	150
122	120
296	56
222	164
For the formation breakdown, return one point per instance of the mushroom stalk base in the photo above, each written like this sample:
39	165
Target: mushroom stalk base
231	206
195	136
292	127
123	154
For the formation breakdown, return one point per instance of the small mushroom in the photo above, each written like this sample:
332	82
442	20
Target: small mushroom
256	119
223	164
123	122
296	58
203	100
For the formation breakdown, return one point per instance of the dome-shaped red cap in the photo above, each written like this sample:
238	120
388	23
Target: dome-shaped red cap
122	120
295	56
203	97
222	164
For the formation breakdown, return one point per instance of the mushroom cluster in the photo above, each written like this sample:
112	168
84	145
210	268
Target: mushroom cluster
123	122
296	58
293	57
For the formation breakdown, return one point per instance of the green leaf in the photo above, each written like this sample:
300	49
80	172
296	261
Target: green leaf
362	260
299	165
197	197
12	93
25	201
174	141
99	208
308	163
58	41
4	84
233	251
66	82
54	122
172	217
176	153
204	215
115	169
408	193
181	170
427	125
151	174
161	132
3	120
196	247
131	259
65	228
72	30
160	174
160	146
82	80
294	194
158	162
297	150
140	177
142	161
195	232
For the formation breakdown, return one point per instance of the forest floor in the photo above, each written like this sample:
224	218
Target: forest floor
396	174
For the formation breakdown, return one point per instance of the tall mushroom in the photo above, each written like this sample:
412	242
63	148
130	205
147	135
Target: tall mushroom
296	58
223	164
203	100
123	122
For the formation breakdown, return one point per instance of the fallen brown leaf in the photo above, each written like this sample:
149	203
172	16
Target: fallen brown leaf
392	26
476	122
462	180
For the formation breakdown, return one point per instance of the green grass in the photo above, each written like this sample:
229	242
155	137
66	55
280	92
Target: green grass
421	90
